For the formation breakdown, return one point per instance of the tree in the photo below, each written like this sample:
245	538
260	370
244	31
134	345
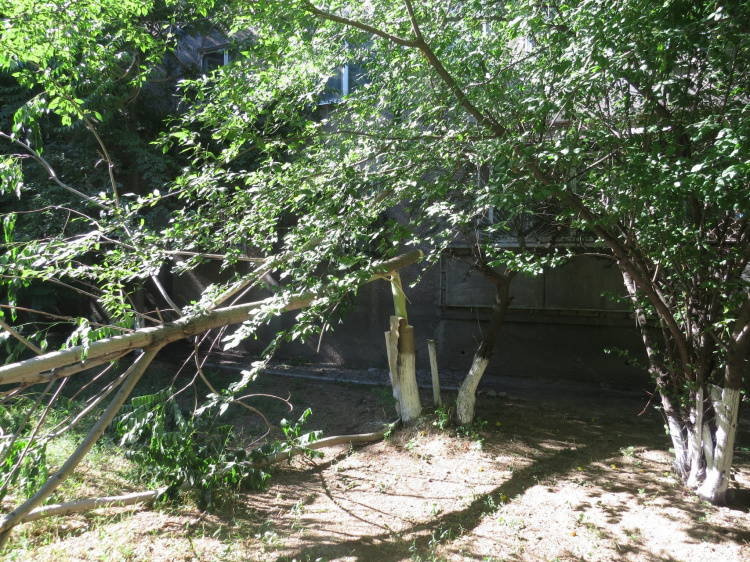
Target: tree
630	117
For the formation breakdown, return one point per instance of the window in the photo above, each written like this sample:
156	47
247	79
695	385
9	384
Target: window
350	77
214	58
346	81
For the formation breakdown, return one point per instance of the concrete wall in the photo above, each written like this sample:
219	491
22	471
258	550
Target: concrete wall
557	328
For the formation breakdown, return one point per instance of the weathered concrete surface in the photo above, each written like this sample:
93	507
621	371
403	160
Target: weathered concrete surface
550	342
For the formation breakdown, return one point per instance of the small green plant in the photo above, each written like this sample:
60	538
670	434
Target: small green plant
296	512
628	452
444	415
510	522
490	505
471	432
384	398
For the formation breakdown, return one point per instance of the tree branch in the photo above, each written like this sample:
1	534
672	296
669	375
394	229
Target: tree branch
358	25
30	369
51	171
20	338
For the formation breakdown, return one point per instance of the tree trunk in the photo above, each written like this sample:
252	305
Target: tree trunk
467	391
726	403
402	357
704	443
405	377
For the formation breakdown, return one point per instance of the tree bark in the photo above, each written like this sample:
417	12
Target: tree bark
410	405
726	404
391	347
467	391
437	400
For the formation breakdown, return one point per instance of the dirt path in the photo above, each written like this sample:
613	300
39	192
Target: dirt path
552	472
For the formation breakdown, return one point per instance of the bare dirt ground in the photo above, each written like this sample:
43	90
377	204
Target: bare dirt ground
552	472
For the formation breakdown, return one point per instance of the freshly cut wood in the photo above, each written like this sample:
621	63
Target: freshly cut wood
411	407
391	348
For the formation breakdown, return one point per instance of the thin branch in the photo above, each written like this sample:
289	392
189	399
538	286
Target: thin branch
215	256
413	19
22	424
61	208
57	282
32	437
51	171
20	338
166	297
64	318
92	403
358	25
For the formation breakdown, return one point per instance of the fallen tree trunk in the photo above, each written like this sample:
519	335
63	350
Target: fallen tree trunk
41	369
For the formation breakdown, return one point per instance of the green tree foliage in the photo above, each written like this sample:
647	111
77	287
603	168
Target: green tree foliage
625	120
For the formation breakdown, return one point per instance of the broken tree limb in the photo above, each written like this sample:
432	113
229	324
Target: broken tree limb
399	298
326	442
150	341
54	481
402	356
149	496
40	369
72	369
